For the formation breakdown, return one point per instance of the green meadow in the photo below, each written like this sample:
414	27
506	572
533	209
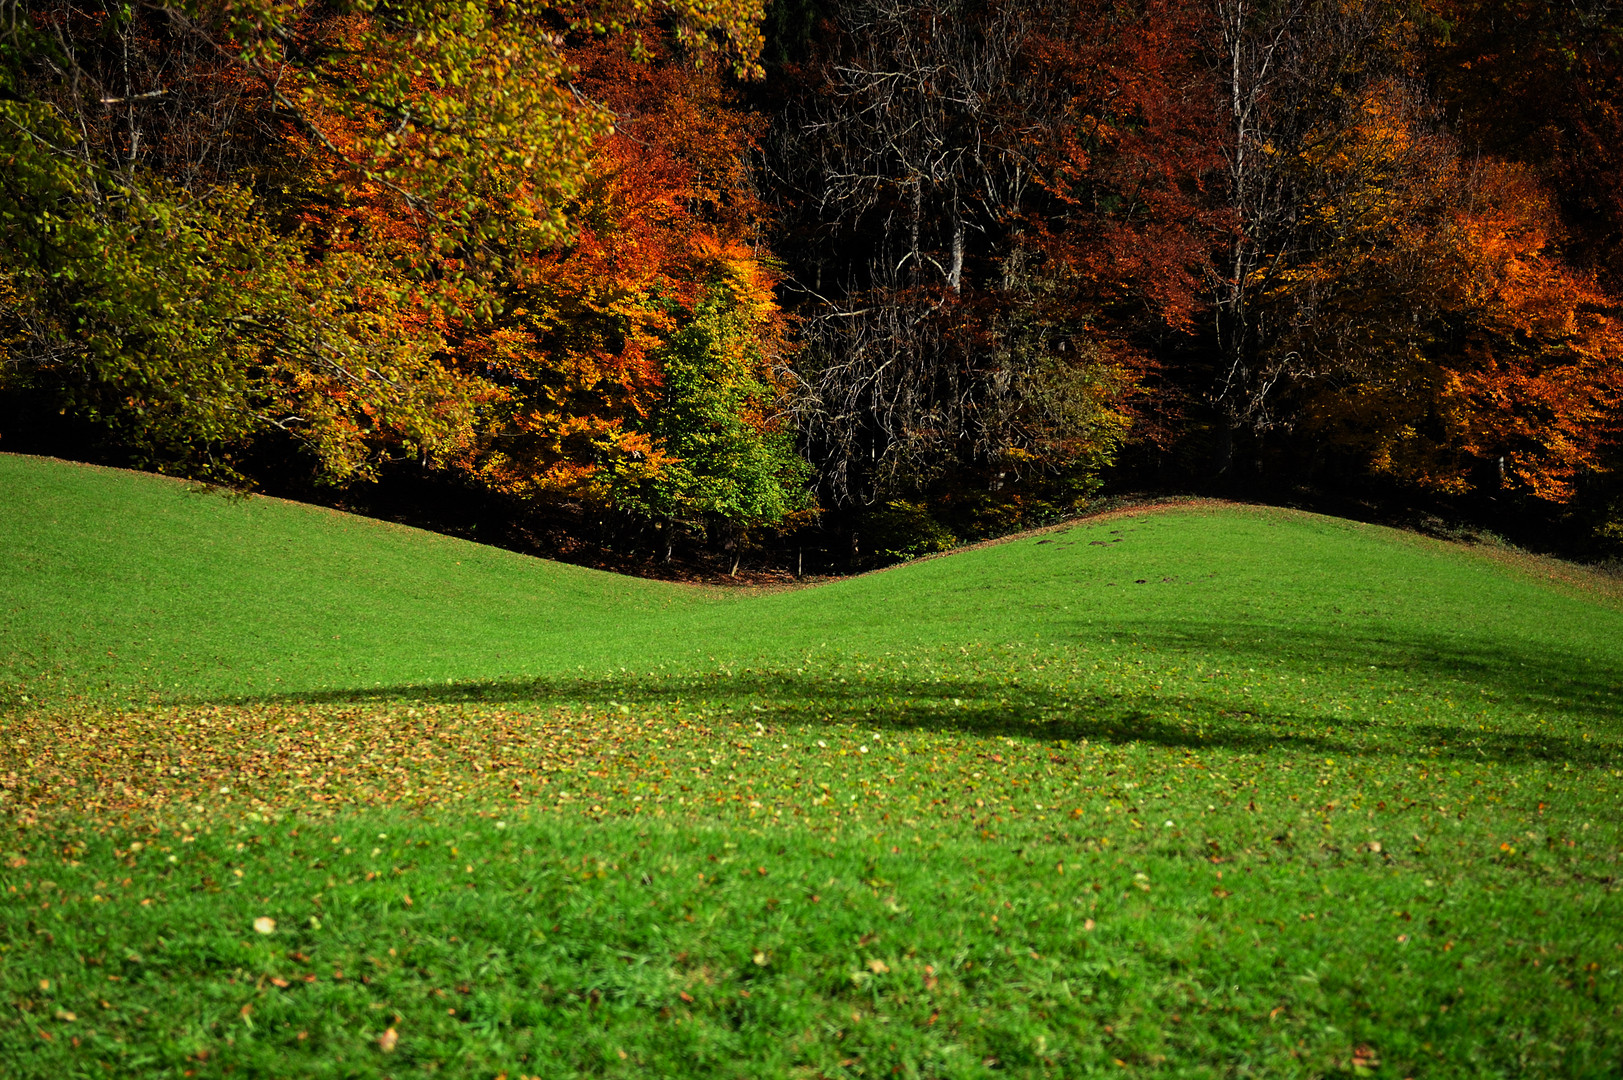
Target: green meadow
1197	790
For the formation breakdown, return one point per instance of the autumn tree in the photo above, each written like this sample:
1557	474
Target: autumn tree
1285	74
1539	84
1388	306
640	365
1433	327
153	292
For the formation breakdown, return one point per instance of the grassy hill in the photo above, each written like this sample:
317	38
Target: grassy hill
125	585
1198	791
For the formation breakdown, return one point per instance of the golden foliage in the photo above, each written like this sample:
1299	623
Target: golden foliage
1434	325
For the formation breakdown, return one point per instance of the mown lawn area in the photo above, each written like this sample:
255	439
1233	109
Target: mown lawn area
1202	791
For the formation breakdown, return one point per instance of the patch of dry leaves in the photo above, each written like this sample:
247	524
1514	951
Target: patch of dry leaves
298	757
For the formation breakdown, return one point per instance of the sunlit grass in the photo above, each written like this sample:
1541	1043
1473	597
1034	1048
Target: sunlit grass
1204	792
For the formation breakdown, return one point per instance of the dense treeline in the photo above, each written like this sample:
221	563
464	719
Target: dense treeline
664	276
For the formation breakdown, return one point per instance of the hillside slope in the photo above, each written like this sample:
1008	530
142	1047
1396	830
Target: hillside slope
121	584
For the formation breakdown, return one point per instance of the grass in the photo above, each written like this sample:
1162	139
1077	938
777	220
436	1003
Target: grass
1204	792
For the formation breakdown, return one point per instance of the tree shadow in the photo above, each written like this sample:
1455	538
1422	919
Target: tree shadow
892	701
1530	678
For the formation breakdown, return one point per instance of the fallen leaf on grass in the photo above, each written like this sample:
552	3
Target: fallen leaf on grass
387	1041
264	925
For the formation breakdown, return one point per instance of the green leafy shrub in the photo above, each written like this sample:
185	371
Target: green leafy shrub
903	530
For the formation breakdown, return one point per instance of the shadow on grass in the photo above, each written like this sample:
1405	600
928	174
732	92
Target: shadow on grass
1535	682
1188	722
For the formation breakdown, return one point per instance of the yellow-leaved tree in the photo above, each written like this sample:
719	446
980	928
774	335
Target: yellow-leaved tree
1427	324
641	363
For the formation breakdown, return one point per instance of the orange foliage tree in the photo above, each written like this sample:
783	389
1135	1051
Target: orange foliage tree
638	366
1430	325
